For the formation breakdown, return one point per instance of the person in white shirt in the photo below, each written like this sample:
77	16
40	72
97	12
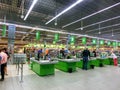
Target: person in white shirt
114	59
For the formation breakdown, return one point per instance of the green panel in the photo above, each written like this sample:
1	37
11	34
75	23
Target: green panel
36	68
108	43
84	39
3	30
95	63
106	62
65	66
101	42
46	69
56	37
80	64
111	61
38	35
119	44
94	41
114	44
43	70
72	40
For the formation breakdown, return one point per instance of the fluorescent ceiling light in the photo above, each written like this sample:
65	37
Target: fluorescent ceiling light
91	15
99	22
49	30
67	9
30	9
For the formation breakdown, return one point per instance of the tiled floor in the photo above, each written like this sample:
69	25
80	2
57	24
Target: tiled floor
105	78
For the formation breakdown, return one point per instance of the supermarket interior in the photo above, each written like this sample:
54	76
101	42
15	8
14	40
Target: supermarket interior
59	44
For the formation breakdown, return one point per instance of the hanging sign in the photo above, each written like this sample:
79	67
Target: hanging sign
72	39
114	44
11	31
101	42
56	37
84	39
38	35
3	30
94	41
108	43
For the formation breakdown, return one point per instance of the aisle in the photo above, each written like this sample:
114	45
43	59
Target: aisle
105	78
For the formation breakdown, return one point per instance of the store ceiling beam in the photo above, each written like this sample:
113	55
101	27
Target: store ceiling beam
114	25
53	31
118	29
100	11
98	22
27	34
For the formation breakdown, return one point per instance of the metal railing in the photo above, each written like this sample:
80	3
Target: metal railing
20	60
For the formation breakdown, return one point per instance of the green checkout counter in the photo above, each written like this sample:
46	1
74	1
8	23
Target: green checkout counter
98	62
66	65
43	67
91	62
106	61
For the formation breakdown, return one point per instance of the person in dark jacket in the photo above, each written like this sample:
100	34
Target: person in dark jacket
94	53
85	55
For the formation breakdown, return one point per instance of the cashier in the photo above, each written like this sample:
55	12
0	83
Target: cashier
46	53
94	53
40	53
62	51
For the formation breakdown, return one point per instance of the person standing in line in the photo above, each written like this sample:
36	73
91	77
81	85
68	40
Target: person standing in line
85	55
3	62
114	59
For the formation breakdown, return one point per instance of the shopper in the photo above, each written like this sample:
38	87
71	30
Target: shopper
8	56
85	55
114	59
3	62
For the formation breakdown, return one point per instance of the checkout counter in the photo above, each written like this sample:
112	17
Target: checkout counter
91	62
67	65
96	61
43	67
